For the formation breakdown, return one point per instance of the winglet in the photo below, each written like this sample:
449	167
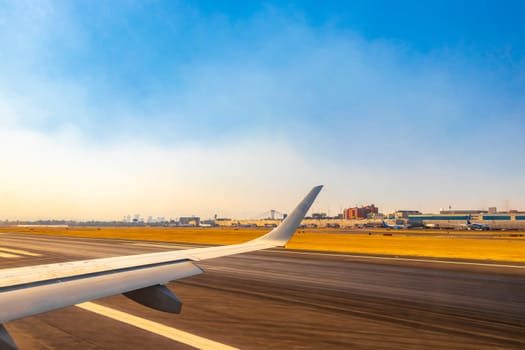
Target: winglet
280	235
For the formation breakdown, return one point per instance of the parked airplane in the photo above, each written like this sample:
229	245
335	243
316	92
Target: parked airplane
395	227
27	291
480	227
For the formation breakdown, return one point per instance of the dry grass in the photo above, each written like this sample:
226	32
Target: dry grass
442	247
320	239
211	235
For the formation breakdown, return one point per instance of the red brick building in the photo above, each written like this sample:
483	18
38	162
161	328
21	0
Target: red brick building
360	213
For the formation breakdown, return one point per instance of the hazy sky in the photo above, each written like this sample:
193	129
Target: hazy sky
174	108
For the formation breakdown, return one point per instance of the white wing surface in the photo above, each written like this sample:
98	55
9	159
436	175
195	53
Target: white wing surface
27	291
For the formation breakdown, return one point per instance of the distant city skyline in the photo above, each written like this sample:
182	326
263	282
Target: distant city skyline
233	108
147	218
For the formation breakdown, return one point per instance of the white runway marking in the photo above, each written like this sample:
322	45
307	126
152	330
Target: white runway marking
7	255
156	328
402	259
155	245
176	246
18	251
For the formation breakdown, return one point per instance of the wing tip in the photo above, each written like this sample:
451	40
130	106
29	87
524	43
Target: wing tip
280	235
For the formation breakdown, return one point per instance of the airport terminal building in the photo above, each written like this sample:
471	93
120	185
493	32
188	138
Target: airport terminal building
454	220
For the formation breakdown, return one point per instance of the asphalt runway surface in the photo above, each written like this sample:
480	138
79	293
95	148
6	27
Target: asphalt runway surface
280	299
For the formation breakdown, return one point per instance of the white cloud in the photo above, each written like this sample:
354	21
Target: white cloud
60	176
248	129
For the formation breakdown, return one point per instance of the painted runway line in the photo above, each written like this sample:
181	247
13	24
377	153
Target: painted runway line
156	328
177	247
19	251
155	245
401	259
7	255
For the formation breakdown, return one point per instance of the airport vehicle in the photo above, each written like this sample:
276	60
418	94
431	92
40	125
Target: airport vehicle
308	226
478	227
431	225
27	291
395	227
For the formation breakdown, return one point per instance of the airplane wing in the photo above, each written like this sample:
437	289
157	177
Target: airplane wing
27	291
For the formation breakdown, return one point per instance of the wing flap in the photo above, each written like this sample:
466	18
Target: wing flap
157	297
25	300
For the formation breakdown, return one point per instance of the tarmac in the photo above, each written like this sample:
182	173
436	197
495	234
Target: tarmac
285	299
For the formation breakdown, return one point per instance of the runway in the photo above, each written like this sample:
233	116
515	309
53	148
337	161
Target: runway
281	299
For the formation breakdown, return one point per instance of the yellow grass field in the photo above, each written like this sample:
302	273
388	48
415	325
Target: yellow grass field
501	249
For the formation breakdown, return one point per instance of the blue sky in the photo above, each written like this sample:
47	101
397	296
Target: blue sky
173	108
